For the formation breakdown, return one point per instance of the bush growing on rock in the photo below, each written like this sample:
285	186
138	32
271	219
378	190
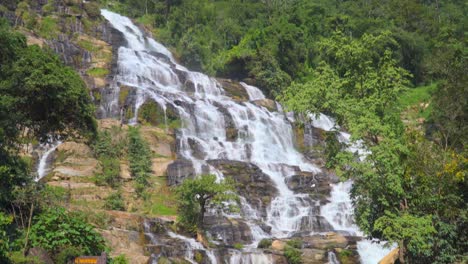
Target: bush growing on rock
115	201
139	156
293	255
265	243
196	195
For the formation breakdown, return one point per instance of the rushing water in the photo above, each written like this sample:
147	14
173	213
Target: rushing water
42	167
262	137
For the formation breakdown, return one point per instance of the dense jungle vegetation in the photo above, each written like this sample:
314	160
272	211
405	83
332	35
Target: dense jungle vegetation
392	72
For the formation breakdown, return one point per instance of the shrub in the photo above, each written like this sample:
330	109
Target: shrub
93	10
56	229
238	246
265	243
97	72
110	172
48	28
120	259
68	254
115	201
295	243
139	156
293	255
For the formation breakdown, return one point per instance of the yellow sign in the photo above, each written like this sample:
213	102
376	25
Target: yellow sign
86	260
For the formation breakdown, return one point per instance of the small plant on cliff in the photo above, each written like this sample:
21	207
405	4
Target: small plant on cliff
293	255
115	201
196	195
139	156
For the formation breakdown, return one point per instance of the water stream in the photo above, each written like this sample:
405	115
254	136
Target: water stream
44	162
208	116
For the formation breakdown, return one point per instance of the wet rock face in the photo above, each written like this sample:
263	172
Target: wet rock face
231	130
234	90
316	184
267	103
253	184
227	231
178	171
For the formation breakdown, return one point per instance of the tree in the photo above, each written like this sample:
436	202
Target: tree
358	80
196	195
410	232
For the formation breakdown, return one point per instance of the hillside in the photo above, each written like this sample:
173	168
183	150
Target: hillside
113	126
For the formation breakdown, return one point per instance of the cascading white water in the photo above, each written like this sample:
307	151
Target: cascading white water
191	245
42	168
339	212
263	138
332	259
253	92
238	257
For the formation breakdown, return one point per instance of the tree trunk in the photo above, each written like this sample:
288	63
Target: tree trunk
401	252
29	227
202	213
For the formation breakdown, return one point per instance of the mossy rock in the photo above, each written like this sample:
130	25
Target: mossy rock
234	90
124	91
150	112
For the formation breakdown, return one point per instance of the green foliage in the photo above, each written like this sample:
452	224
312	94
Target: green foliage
46	96
412	233
5	221
92	9
115	201
110	172
238	246
97	72
198	257
68	254
56	229
265	243
120	259
194	196
48	28
293	255
18	257
108	147
139	156
295	243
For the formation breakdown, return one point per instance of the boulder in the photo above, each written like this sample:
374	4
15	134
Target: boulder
227	231
329	240
309	182
253	184
234	89
278	245
391	257
267	103
178	171
126	242
313	256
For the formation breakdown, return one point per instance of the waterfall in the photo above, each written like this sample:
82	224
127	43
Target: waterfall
332	259
256	135
191	245
238	257
253	92
42	168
